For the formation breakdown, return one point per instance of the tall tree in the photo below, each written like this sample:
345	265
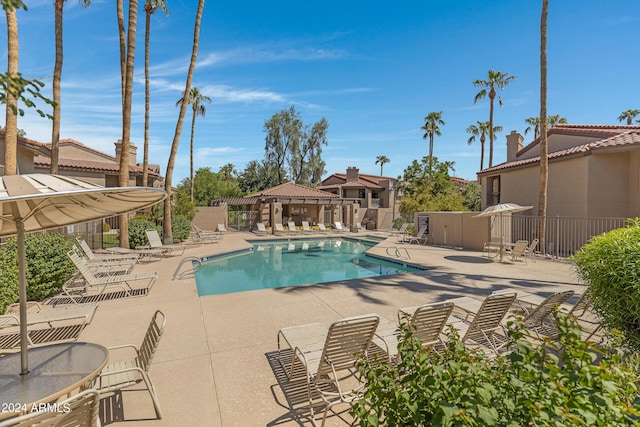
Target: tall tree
284	130
534	122
167	231
480	131
307	166
628	116
150	6
382	160
127	84
11	117
58	6
544	160
196	99
495	80
431	128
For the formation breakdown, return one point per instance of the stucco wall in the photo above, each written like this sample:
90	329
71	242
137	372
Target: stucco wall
208	217
634	184
457	229
608	185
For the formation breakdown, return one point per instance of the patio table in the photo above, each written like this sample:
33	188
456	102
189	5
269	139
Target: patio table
56	370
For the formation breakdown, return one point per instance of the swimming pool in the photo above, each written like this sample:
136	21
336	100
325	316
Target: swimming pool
292	263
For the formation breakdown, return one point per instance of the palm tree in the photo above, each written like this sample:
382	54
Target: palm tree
495	80
533	122
431	128
544	159
382	160
629	115
123	180
58	6
150	6
11	117
168	233
481	131
196	99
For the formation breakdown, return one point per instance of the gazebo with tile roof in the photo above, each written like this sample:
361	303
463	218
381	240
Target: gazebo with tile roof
294	202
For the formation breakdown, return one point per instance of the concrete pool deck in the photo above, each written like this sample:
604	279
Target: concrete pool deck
214	365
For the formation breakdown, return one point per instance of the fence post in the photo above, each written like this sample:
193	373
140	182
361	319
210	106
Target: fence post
557	237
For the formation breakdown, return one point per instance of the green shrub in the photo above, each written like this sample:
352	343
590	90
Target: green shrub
180	227
137	228
106	227
556	384
48	267
610	265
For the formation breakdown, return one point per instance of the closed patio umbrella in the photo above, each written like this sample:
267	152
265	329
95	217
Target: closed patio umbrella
39	202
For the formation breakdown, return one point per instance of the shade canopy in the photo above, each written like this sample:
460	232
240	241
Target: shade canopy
502	208
41	201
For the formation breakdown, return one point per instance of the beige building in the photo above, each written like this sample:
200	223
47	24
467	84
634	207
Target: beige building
26	151
376	195
594	171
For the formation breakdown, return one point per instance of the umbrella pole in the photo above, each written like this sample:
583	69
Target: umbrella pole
22	283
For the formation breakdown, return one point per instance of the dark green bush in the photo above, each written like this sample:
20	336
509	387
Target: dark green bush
48	267
610	265
555	384
137	228
180	227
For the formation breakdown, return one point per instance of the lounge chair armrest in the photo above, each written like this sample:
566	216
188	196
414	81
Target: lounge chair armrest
120	347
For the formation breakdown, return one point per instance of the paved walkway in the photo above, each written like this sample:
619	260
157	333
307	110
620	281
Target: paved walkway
214	366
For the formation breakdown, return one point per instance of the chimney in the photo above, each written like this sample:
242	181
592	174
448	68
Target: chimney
133	152
514	144
352	174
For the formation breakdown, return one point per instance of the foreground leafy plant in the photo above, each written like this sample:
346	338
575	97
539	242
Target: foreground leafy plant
610	265
568	382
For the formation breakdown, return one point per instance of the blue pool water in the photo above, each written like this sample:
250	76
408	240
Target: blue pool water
292	263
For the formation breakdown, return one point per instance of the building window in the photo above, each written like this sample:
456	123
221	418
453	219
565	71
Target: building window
493	190
361	194
375	195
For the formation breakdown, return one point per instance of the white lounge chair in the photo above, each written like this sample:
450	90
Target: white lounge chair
427	322
222	228
292	228
102	258
322	228
400	231
278	229
156	243
129	372
339	227
198	235
519	250
306	228
419	238
530	252
261	230
101	284
329	357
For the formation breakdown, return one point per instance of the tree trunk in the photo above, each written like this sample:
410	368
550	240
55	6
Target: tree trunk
57	76
123	43
544	161
492	95
193	128
11	118
168	233
482	140
126	115
145	158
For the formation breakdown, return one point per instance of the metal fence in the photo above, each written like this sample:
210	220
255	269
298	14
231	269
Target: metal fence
563	235
242	220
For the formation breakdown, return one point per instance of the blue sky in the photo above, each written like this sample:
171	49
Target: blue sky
373	69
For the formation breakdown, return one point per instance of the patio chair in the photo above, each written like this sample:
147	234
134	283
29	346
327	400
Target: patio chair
339	228
261	230
156	243
519	250
305	227
292	227
106	267
81	410
126	373
419	238
427	322
485	329
198	235
329	358
491	249
39	314
102	258
322	228
278	229
539	319
140	252
531	249
222	228
400	231
106	282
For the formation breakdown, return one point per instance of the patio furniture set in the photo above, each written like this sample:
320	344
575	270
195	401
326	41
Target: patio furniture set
329	356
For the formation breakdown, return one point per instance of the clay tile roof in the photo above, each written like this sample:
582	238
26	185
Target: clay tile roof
289	189
87	165
619	139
